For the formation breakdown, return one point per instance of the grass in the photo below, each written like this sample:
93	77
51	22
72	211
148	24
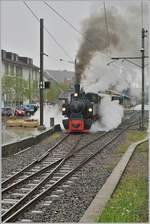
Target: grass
55	136
132	136
51	138
129	202
136	135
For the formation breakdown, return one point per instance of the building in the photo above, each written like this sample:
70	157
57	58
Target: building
61	82
66	77
24	72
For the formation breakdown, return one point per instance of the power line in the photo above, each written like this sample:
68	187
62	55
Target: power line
62	17
50	35
70	24
31	11
75	29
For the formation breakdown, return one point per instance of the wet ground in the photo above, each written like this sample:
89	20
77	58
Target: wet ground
11	134
16	133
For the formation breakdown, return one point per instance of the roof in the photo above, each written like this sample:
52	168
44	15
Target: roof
21	64
49	77
15	59
66	94
58	75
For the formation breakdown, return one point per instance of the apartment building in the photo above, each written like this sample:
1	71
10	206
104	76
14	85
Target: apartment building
17	66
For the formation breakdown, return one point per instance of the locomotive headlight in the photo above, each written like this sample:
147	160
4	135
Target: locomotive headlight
75	94
90	109
63	109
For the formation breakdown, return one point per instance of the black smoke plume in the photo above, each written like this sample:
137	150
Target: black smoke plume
94	39
122	35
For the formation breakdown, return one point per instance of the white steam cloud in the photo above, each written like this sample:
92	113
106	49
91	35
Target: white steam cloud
123	38
101	76
111	114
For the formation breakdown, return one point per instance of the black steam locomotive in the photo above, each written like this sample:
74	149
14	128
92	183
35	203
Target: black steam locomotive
81	111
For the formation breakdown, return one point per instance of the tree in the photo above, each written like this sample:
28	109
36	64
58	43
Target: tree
8	88
52	94
16	90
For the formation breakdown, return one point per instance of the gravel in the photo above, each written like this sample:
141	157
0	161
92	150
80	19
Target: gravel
75	199
72	203
16	162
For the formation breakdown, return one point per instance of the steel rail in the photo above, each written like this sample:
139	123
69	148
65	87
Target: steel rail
36	188
30	176
5	182
45	168
67	156
60	163
10	216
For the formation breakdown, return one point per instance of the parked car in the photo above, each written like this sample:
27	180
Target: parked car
19	112
7	111
28	111
32	106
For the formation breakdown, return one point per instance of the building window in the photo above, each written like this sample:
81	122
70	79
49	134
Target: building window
36	75
32	74
6	69
11	69
21	73
18	71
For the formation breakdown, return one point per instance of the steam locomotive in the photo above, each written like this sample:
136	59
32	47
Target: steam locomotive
81	111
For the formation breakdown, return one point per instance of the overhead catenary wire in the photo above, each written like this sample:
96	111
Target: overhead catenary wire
62	17
74	28
48	32
81	34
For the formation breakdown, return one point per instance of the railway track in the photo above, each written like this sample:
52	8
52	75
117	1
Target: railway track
31	178
37	181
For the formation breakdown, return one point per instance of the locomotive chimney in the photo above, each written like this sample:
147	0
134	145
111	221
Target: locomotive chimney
77	74
77	78
77	88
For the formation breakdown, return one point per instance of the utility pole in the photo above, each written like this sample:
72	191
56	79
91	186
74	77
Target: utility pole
41	127
142	66
143	35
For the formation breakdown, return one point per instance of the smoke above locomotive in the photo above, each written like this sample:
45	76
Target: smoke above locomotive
118	33
94	40
106	34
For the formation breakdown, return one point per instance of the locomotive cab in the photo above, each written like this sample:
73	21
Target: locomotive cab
95	100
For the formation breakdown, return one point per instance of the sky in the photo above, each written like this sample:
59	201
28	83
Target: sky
20	30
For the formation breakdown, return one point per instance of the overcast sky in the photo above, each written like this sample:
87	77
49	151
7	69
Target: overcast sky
20	30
